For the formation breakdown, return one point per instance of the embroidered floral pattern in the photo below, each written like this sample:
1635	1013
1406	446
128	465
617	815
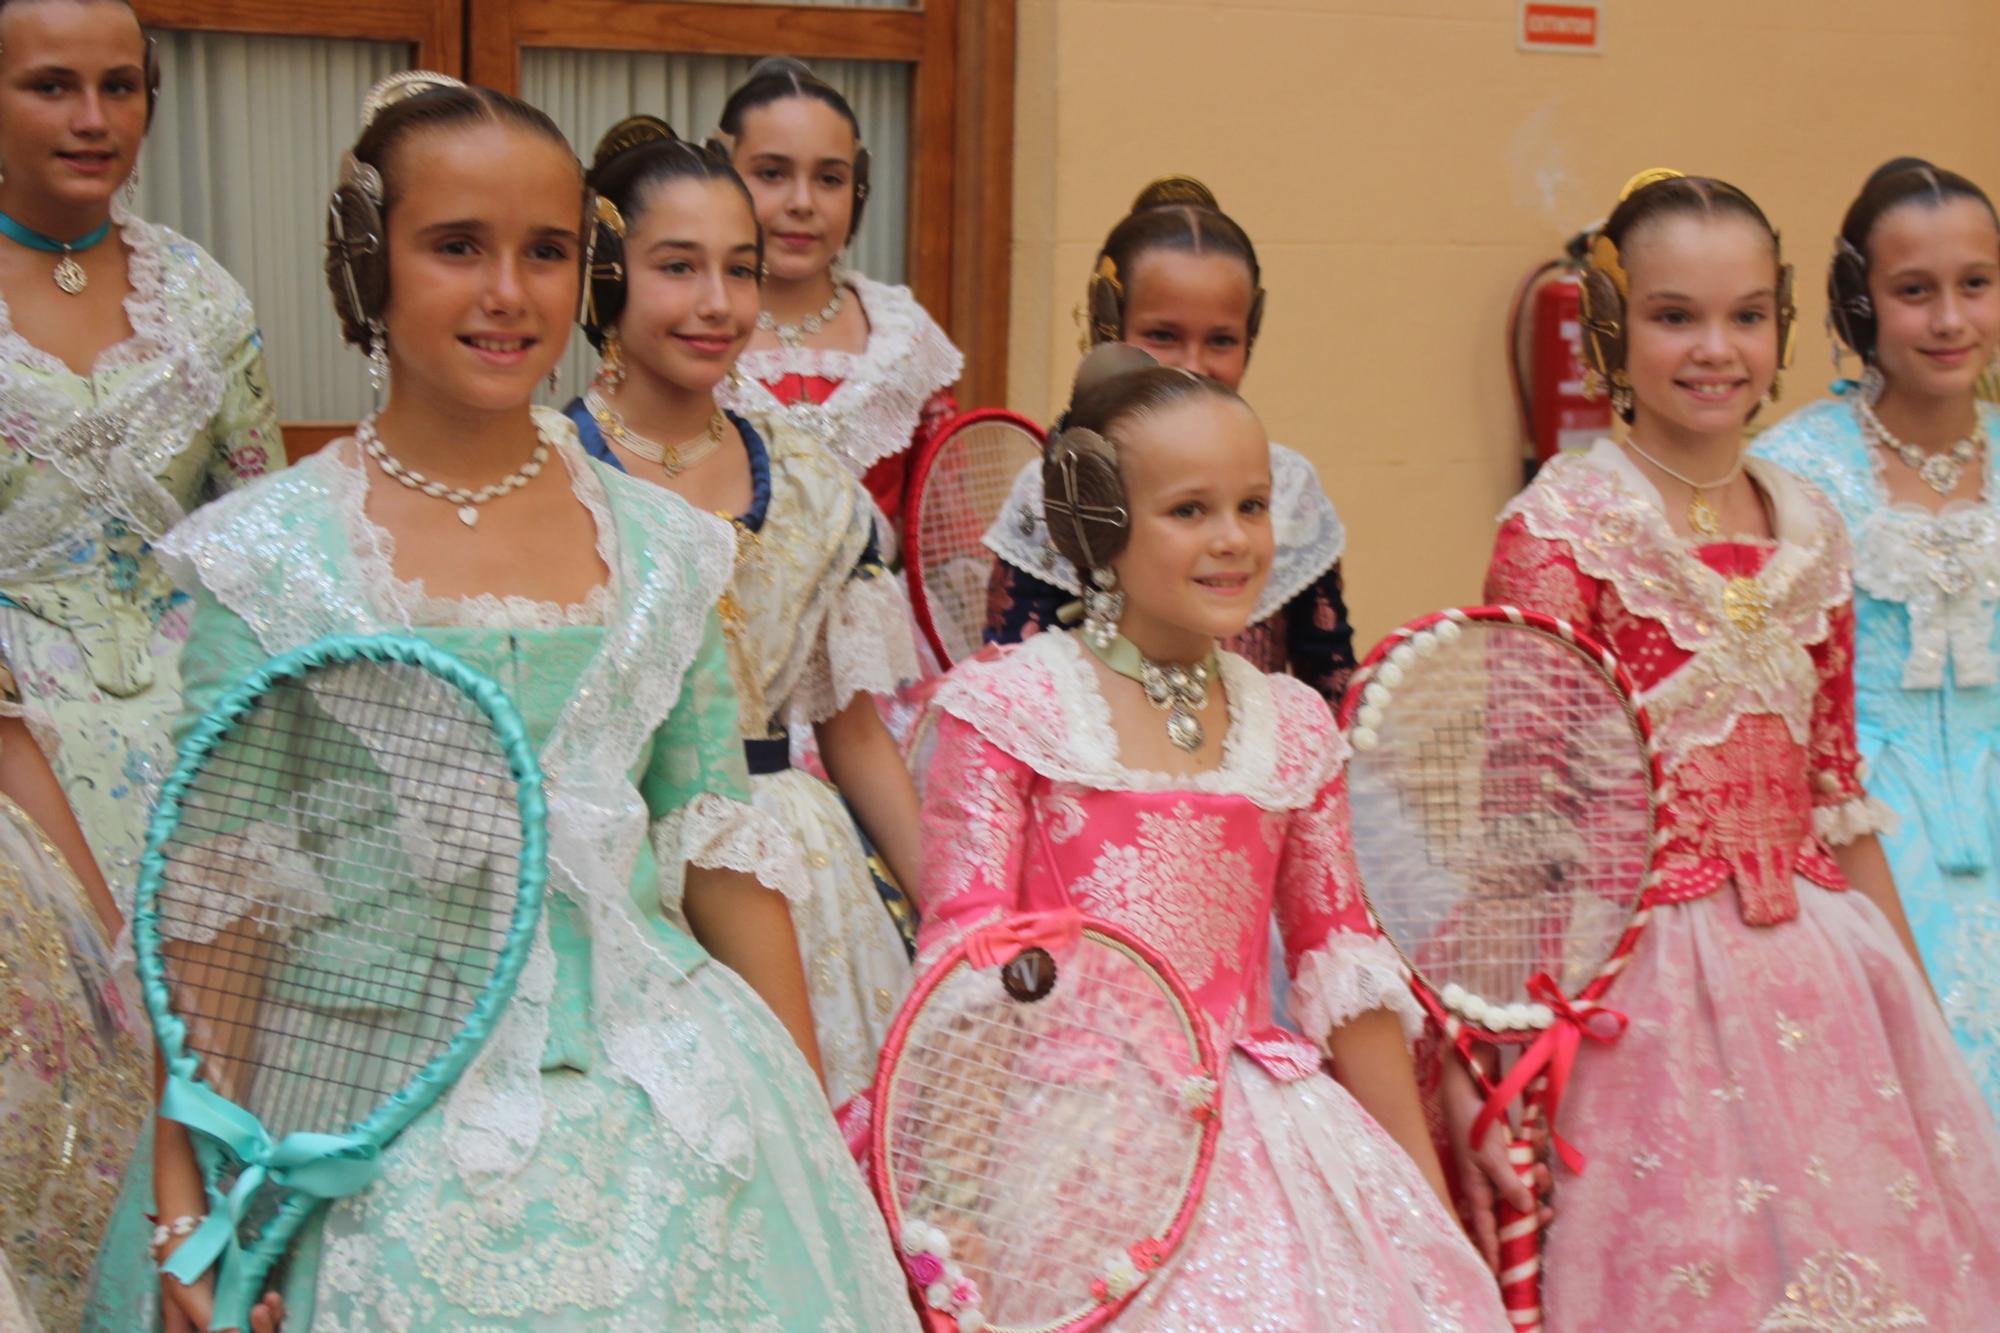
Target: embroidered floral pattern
1841	1293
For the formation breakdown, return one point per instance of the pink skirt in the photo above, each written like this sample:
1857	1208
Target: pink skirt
1785	1138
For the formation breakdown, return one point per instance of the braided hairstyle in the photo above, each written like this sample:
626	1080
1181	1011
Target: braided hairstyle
635	157
1173	213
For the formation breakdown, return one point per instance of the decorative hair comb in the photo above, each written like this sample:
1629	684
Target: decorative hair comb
401	87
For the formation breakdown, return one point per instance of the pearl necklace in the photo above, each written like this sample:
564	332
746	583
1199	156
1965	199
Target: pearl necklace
1182	691
792	335
468	502
1940	469
673	459
1702	516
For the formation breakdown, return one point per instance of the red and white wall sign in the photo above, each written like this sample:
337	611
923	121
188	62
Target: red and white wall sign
1578	29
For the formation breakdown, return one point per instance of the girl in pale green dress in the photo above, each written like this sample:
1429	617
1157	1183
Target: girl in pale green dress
643	1144
131	390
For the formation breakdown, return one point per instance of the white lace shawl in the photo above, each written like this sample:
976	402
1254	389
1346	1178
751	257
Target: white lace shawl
287	556
1306	531
156	393
1613	522
875	411
812	635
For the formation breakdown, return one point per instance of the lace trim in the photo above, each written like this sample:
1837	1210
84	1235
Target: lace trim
1308	534
875	412
868	648
1610	518
1838	825
188	316
1348	975
1040	702
721	834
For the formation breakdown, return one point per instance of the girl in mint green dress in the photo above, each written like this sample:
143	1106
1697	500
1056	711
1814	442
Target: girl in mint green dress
643	1144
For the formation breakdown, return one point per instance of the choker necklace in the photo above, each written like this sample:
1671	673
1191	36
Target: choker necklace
673	459
69	274
468	502
1940	470
791	335
1181	690
1702	516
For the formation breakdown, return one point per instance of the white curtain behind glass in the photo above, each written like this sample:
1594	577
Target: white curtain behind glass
242	154
587	92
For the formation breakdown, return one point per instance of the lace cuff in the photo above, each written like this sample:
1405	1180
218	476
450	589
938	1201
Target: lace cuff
1347	976
723	834
1838	825
868	646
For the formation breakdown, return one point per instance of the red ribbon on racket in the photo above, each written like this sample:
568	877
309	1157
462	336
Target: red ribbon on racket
1055	930
1555	1050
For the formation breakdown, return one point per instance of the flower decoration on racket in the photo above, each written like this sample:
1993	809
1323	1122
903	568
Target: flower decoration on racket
1045	1113
1504	788
341	884
957	489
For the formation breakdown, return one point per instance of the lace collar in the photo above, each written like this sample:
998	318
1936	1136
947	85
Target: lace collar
1040	702
875	411
1307	533
1749	636
111	435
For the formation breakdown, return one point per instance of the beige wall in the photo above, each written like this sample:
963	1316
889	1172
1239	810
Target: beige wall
1400	165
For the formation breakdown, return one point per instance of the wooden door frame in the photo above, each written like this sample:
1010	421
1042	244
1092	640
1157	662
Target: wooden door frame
961	126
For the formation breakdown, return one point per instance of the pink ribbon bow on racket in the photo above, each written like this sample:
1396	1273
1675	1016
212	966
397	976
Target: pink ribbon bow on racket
1055	930
1555	1051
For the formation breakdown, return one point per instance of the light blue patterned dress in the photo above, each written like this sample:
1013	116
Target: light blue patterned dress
1927	699
639	1146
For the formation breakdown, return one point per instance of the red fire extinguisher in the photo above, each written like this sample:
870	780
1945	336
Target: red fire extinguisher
1557	412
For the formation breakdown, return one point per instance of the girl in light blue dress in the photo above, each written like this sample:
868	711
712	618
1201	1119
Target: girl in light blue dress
643	1144
1906	454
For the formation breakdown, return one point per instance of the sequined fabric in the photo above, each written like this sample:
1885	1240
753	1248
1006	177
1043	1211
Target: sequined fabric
1787	1109
1313	1219
1927	614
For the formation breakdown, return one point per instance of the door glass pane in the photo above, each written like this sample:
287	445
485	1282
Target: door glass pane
242	155
587	92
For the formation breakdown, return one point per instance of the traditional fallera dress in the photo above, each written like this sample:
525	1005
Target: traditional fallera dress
813	618
1300	623
1313	1217
869	407
93	470
1927	703
639	1146
75	1080
1786	1136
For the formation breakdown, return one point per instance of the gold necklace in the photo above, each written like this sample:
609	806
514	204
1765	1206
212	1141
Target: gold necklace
673	459
1702	516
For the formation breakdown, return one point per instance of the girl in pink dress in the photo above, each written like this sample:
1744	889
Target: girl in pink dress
1184	794
1785	1137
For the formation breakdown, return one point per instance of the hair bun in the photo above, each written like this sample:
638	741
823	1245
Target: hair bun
791	65
1168	191
1107	361
401	87
629	133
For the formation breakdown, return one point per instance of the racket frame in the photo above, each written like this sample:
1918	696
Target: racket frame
881	1178
1520	1231
913	508
393	1115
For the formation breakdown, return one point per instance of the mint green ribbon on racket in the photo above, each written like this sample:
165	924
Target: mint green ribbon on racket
326	1166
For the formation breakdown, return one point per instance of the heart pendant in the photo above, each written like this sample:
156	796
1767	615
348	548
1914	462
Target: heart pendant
468	516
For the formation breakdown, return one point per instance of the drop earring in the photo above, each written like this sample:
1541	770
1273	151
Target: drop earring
555	379
1872	384
378	361
1621	393
1102	605
131	190
611	370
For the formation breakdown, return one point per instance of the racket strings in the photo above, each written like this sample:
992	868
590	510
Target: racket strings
964	491
339	891
1503	819
1044	1138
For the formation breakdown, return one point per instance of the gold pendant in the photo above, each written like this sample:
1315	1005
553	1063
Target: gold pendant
1743	601
1702	516
70	275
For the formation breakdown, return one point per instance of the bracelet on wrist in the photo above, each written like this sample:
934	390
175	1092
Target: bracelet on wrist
175	1230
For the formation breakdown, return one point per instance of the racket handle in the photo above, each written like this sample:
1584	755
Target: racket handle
1521	1248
